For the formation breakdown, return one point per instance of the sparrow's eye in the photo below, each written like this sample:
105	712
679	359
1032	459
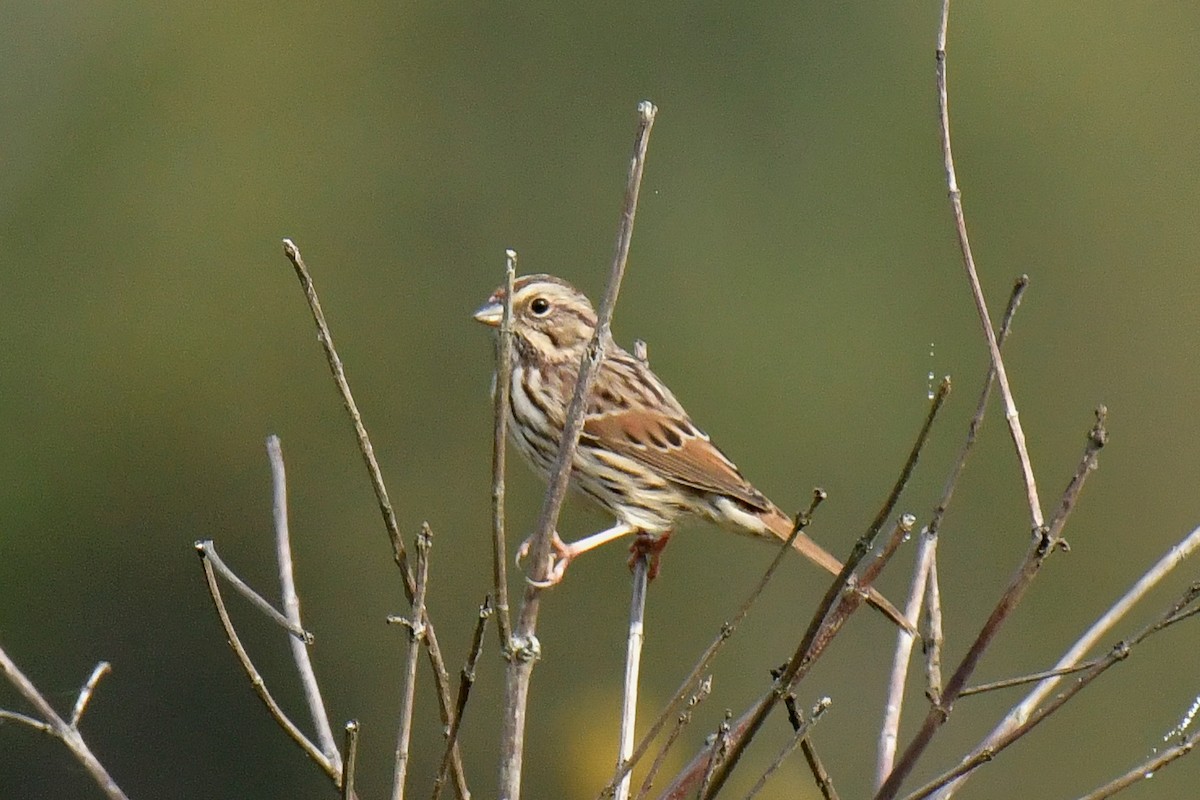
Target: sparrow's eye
540	306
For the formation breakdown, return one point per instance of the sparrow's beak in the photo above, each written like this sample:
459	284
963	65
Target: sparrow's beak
490	313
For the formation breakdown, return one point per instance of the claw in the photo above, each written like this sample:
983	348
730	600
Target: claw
560	557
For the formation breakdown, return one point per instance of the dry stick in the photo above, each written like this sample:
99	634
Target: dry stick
706	658
85	694
1021	680
1146	769
926	567
827	622
800	735
934	640
1048	540
1100	628
350	761
416	633
1178	612
466	681
256	680
524	648
717	754
210	554
500	400
960	224
889	730
56	726
817	768
399	555
821	630
291	603
633	661
681	722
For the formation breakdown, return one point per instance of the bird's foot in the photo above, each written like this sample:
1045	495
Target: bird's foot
560	557
651	546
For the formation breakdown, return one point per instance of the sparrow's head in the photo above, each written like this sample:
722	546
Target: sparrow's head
548	313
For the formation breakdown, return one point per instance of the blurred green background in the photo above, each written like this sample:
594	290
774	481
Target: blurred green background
794	271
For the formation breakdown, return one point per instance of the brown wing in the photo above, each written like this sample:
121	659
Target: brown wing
636	416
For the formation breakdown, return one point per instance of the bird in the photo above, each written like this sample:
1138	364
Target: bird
640	456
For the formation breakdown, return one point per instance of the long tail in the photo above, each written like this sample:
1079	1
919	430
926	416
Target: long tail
781	526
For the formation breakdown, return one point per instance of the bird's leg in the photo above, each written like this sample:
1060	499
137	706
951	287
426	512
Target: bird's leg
651	546
562	554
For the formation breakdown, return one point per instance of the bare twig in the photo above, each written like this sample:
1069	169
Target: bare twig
820	775
715	646
800	734
350	760
85	694
257	683
524	648
416	633
889	730
825	625
827	622
716	755
399	555
633	662
466	681
1049	539
1099	629
54	725
291	602
924	582
1021	680
681	722
209	553
500	398
934	640
1182	609
960	224
1146	769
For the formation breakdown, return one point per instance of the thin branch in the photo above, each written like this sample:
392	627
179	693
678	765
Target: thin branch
56	726
208	552
1098	630
716	755
350	761
466	681
633	661
501	400
416	633
933	638
800	735
827	622
960	225
291	602
524	648
1182	609
1146	770
1047	540
399	555
85	694
706	658
924	584
1021	680
256	680
890	728
681	722
817	767
821	629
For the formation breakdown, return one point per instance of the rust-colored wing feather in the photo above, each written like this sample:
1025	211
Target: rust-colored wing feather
648	425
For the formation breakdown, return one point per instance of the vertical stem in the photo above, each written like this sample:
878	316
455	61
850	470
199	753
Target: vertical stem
524	649
633	660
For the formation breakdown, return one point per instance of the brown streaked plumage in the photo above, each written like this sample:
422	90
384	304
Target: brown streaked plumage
640	456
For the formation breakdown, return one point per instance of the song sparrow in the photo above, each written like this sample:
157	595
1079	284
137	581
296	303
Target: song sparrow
640	456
